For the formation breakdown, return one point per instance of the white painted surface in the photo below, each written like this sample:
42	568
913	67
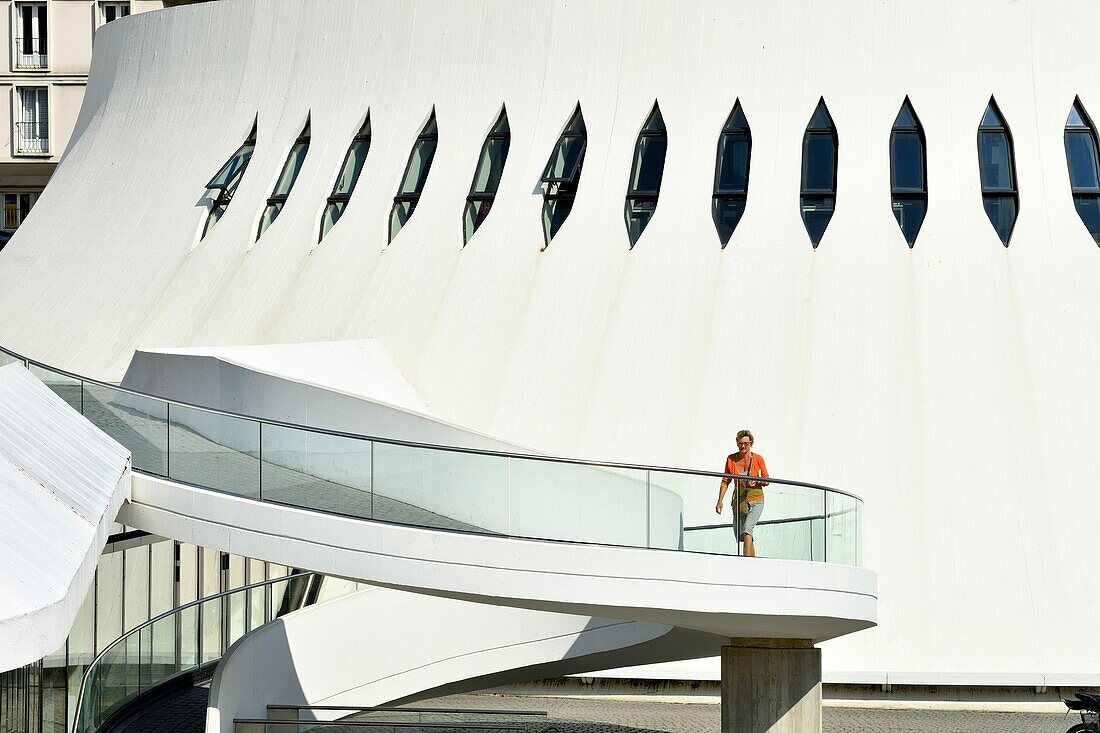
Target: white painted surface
61	483
379	646
722	595
952	386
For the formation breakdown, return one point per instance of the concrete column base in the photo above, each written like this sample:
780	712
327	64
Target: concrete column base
771	686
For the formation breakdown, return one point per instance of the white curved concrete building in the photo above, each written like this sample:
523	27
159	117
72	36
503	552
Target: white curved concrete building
949	383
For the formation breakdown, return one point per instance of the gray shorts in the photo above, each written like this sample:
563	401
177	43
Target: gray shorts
749	520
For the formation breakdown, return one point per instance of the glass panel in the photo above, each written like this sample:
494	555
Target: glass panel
733	164
638	214
1076	118
293	166
649	164
271	213
237	602
438	488
905	117
210	612
6	358
81	636
995	159
161	645
234	165
317	471
736	121
136	582
108	600
819	163
215	451
1081	154
353	166
821	119
420	163
566	160
491	166
991	118
655	123
910	215
1088	208
816	213
1001	211
215	215
841	529
907	158
257	572
554	213
189	591
562	501
402	211
139	423
54	693
64	387
727	214
474	213
332	214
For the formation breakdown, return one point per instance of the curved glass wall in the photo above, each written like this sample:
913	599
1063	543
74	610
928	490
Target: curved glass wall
416	174
488	492
908	172
490	167
289	174
349	176
562	175
224	184
997	167
645	175
731	174
820	146
1084	167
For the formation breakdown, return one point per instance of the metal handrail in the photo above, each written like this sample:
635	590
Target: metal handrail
167	614
428	446
392	709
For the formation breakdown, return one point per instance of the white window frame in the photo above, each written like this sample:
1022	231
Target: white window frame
17	32
102	6
18	114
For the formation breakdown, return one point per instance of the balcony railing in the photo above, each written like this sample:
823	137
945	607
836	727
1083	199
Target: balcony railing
32	138
30	53
454	488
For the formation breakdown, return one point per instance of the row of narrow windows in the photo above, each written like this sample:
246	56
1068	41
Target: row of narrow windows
561	176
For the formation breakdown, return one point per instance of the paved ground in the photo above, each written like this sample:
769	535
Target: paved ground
612	716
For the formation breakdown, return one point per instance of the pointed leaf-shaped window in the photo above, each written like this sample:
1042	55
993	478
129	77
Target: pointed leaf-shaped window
645	175
416	173
562	175
224	184
490	167
731	174
349	176
908	172
293	165
997	166
820	147
1084	167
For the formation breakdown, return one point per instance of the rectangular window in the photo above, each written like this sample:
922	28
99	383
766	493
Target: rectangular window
113	10
16	206
30	36
33	128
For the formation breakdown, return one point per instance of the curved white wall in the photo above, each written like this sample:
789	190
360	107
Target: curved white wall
952	386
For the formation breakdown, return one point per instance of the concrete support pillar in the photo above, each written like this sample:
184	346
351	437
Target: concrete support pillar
771	686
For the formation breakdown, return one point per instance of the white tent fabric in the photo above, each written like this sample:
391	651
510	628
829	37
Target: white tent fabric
62	482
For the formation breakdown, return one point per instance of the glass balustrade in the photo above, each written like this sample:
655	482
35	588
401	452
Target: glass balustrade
176	643
461	489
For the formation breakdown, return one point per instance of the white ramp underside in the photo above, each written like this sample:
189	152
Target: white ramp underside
62	481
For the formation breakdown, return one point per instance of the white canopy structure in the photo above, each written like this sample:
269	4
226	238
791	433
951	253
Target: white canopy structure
62	481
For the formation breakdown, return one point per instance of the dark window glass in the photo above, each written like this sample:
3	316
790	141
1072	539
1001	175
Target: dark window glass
562	175
352	166
731	175
908	187
996	168
645	175
1081	156
490	168
220	189
416	174
291	168
820	147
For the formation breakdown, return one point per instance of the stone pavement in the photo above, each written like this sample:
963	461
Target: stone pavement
571	715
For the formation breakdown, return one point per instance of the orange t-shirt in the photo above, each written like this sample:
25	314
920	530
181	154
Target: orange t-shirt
742	466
